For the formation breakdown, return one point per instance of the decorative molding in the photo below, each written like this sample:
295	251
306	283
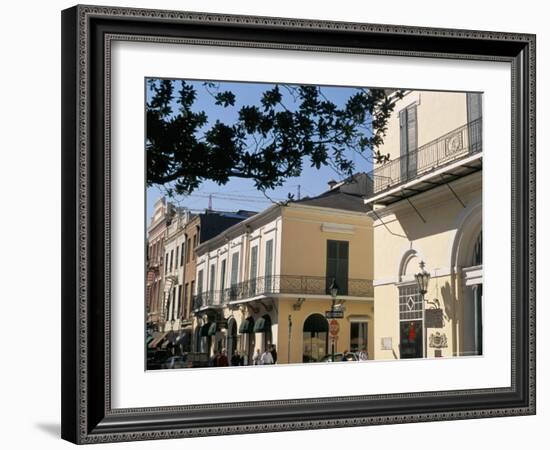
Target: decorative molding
337	228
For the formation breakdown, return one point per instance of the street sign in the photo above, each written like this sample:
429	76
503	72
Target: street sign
333	328
334	314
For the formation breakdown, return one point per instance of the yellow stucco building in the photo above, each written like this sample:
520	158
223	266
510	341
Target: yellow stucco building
427	208
268	280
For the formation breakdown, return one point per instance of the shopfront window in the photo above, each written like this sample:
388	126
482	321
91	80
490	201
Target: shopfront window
410	322
358	340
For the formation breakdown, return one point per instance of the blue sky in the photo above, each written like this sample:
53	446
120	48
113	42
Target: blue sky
241	193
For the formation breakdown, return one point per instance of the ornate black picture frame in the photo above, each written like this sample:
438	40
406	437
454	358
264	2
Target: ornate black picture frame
87	34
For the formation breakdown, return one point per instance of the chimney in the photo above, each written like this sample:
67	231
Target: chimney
332	183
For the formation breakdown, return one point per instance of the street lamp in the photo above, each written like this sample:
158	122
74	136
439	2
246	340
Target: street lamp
333	289
422	280
289	334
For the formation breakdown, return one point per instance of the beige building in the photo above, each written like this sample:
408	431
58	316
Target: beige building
267	280
174	272
156	234
427	207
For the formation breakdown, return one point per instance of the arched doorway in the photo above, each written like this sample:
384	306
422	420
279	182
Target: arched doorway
411	308
315	338
231	337
247	329
263	325
467	261
473	300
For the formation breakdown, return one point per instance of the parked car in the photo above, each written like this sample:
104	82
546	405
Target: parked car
338	357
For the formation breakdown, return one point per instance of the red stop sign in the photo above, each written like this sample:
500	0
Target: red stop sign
334	327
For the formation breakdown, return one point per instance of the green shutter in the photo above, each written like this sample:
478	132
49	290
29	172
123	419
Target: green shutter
254	262
337	265
234	269
268	265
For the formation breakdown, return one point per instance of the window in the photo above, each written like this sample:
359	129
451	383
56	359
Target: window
174	305
477	259
474	111
337	265
188	251
212	282
222	278
410	322
185	300
166	264
194	246
199	282
180	303
408	141
235	269
253	269
182	253
268	265
171	259
234	274
177	255
358	339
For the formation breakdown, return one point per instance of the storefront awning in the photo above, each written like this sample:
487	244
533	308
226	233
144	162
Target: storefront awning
208	329
212	329
262	325
247	326
157	340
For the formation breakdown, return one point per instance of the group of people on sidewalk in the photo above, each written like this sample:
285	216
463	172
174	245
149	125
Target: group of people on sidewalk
269	356
220	359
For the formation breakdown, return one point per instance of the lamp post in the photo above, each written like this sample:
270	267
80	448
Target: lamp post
289	334
422	280
333	293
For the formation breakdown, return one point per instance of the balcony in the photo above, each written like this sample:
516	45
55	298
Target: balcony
445	159
281	285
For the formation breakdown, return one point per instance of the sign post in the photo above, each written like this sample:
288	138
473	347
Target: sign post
333	329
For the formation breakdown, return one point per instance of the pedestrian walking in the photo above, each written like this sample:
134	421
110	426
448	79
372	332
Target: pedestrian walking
214	359
266	357
256	359
274	353
235	358
222	359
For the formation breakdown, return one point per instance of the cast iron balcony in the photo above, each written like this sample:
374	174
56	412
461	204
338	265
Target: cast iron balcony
282	284
390	181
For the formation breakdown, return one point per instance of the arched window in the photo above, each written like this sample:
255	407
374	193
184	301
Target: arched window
315	338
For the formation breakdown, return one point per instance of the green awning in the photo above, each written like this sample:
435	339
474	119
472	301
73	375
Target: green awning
262	325
247	326
212	329
208	329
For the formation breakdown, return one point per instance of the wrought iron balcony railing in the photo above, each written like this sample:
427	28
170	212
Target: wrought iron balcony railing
457	144
283	284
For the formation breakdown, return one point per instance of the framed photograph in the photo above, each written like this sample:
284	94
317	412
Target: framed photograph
281	224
